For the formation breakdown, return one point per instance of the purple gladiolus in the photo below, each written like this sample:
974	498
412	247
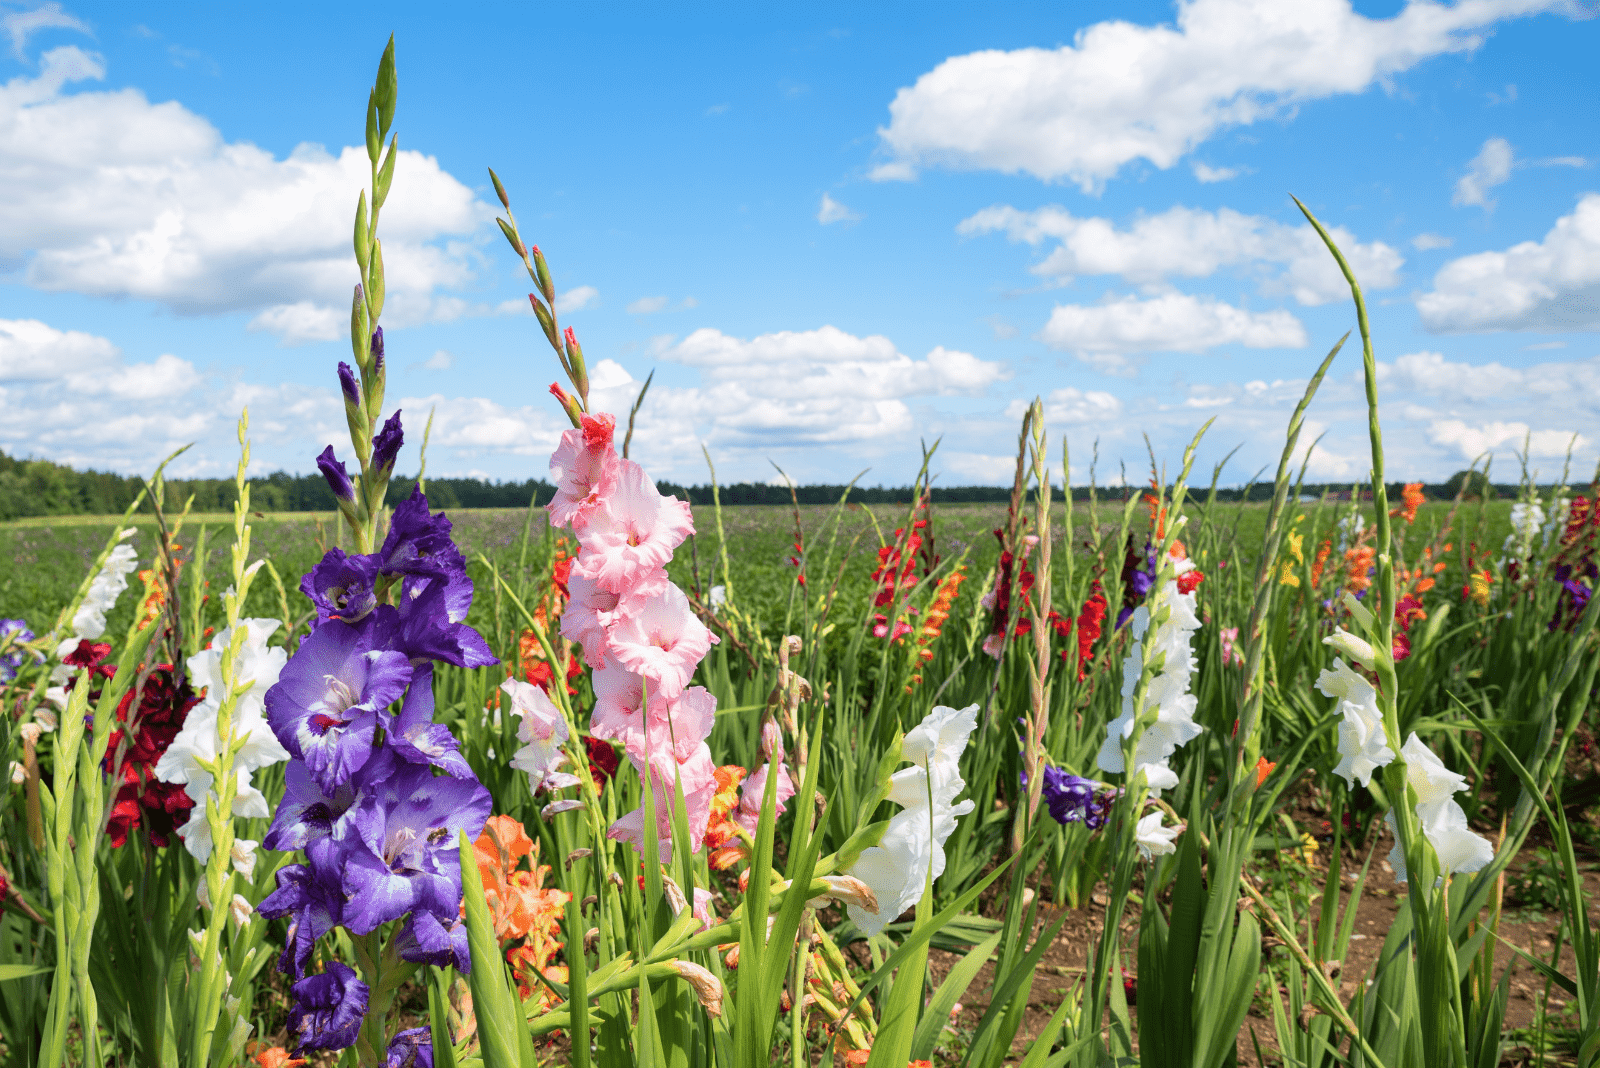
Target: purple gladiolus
314	906
411	1048
399	846
418	542
341	587
328	1009
17	631
414	736
425	939
386	444
333	470
334	694
376	347
1069	796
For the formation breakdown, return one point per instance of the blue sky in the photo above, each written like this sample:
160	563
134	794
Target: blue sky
832	231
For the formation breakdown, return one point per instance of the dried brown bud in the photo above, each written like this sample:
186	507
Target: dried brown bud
706	986
851	891
578	854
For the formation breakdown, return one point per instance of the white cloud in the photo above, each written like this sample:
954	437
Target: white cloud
1552	284
32	351
575	299
1123	92
1174	322
810	387
832	211
302	321
1428	242
1472	441
1193	243
647	305
1071	407
20	25
1489	168
1216	174
477	426
442	360
110	195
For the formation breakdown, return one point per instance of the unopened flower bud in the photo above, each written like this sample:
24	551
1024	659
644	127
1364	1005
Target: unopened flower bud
203	892
19	774
347	386
386	446
569	403
30	733
1358	611
591	938
45	718
706	986
240	909
1355	648
333	470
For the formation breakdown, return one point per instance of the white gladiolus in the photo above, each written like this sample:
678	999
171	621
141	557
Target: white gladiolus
258	665
90	619
1154	839
1363	746
1169	644
1444	823
911	852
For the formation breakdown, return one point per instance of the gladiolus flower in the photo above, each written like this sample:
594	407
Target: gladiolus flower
1153	839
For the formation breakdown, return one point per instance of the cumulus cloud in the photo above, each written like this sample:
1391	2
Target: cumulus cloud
832	211
575	299
1192	243
1173	322
1489	168
110	195
1553	284
1122	92
32	351
1427	242
1471	441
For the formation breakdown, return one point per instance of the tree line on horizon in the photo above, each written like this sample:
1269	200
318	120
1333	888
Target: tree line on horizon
45	488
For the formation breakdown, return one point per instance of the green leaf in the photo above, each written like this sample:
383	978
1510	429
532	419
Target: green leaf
19	971
493	1000
944	999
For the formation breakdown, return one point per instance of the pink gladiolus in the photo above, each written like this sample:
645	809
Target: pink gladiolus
634	534
662	641
748	814
699	785
585	468
591	611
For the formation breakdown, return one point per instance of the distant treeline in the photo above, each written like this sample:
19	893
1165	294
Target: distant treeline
39	487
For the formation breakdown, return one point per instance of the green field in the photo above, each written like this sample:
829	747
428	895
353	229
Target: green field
43	559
